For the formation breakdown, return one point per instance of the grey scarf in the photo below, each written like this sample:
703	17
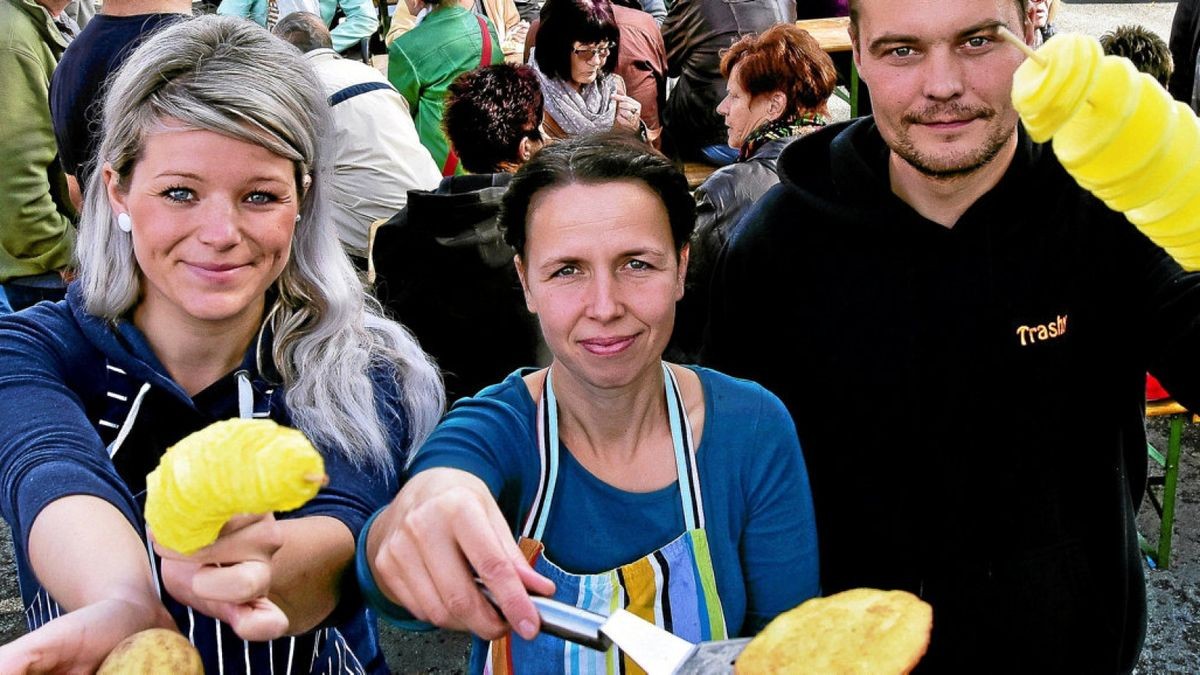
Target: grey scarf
578	112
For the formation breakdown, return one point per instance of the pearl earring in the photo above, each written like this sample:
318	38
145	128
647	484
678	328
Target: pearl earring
297	217
124	222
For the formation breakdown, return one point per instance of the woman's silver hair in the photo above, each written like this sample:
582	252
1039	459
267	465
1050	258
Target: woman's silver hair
331	343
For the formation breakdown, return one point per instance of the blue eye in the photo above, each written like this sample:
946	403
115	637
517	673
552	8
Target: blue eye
902	51
566	271
178	194
640	265
261	198
977	42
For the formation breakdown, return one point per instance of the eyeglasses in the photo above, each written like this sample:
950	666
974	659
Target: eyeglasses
589	53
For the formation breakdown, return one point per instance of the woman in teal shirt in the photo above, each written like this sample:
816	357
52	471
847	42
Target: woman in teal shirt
448	41
674	492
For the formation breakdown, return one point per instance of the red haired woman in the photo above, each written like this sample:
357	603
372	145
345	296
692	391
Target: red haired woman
779	84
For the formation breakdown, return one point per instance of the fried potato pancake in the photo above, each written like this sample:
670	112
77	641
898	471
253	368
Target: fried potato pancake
862	630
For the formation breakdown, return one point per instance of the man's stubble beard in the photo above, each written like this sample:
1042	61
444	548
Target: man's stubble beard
956	166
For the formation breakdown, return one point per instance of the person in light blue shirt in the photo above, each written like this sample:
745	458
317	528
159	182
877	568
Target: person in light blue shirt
360	21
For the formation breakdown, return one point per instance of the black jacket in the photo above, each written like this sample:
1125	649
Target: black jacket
1185	40
444	272
721	201
969	399
696	33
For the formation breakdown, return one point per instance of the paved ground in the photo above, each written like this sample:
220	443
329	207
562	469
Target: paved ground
1173	639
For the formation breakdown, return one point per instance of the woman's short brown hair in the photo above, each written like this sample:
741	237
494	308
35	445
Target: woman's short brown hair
786	59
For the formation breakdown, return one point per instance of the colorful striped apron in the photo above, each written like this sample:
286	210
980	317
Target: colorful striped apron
673	587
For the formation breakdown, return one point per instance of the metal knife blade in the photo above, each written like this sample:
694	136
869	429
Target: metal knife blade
654	649
715	657
657	651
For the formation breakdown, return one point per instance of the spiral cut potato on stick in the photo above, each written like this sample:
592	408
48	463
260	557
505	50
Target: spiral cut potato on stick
1118	133
228	468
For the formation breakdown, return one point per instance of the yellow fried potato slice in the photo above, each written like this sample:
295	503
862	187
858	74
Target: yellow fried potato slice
860	631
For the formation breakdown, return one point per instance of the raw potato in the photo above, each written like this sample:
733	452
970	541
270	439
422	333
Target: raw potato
860	631
229	467
153	651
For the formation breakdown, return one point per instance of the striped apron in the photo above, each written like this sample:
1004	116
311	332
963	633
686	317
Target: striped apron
135	450
673	587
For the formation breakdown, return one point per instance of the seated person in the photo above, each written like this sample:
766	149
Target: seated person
651	467
360	18
779	84
377	157
37	230
578	49
441	264
208	289
447	42
1042	13
696	33
641	63
1144	48
77	86
510	26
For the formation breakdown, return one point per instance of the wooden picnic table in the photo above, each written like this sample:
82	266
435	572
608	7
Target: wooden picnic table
833	35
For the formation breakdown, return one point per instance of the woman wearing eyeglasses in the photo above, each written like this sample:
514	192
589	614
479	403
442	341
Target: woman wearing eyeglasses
575	57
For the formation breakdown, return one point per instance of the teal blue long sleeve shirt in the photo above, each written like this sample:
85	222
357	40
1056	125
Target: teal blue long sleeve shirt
361	17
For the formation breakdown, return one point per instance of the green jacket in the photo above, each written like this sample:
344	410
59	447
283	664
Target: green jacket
36	234
424	61
361	18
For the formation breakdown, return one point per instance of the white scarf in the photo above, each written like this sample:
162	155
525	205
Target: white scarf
578	112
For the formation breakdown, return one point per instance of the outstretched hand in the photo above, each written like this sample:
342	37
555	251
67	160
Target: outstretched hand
79	641
230	579
442	531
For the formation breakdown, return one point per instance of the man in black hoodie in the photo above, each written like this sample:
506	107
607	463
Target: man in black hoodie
962	335
442	265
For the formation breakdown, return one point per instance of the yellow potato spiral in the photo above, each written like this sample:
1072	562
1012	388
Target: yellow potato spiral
228	468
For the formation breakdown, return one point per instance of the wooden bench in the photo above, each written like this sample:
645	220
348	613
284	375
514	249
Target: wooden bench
697	173
1159	554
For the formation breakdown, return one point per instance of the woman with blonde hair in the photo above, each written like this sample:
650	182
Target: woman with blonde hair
211	286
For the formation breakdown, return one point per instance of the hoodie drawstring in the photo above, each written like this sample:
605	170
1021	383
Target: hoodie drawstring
245	395
127	425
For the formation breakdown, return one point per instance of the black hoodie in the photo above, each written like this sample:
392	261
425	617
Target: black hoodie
969	399
445	273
